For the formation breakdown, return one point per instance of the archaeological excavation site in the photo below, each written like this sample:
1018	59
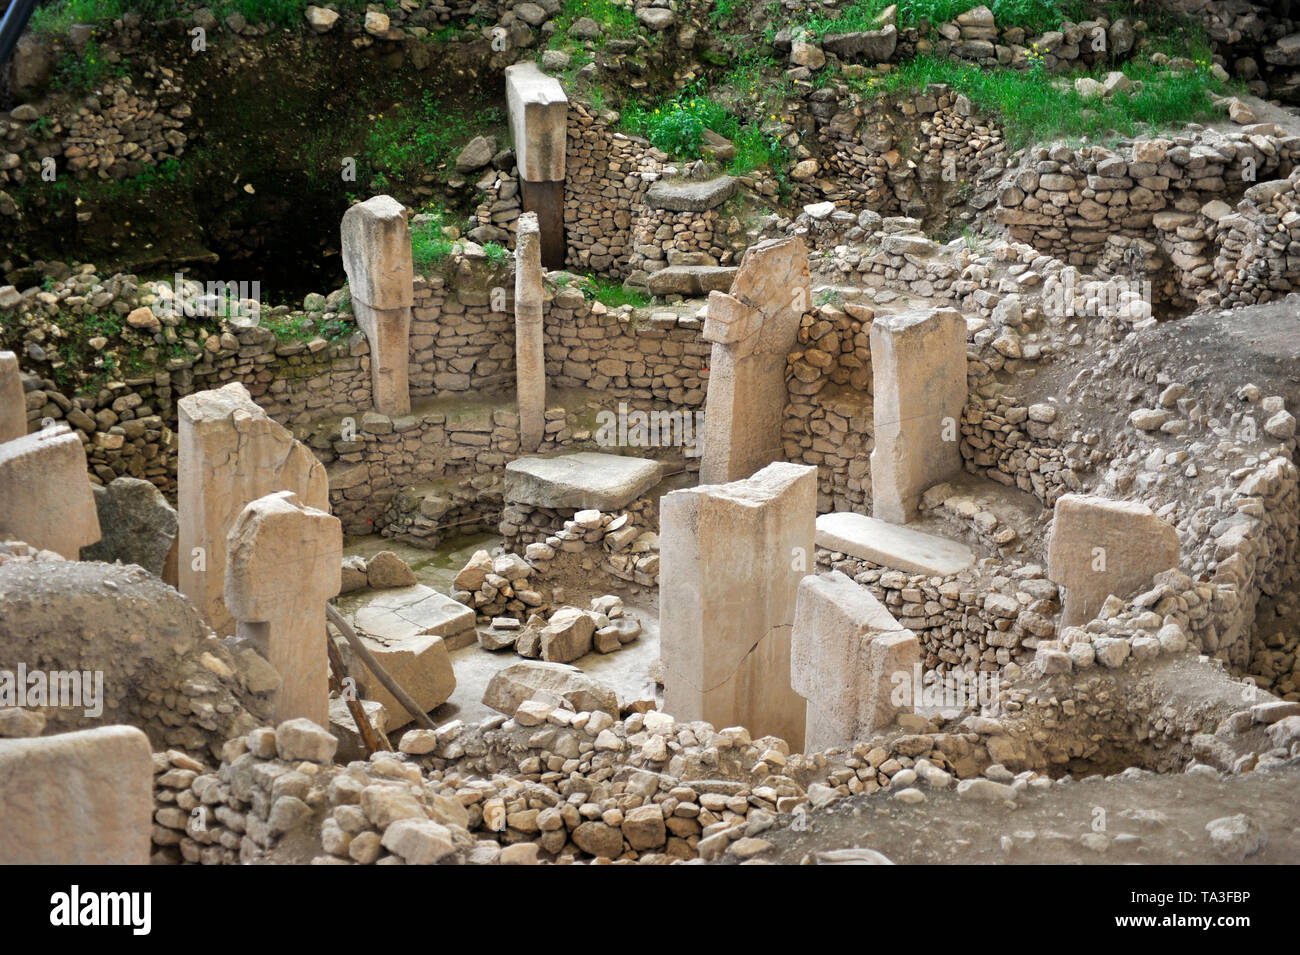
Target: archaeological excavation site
650	432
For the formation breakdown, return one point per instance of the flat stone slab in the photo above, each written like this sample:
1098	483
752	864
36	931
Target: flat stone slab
394	615
684	195
892	545
584	480
691	279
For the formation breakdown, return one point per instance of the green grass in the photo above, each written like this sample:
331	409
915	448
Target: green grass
1031	108
57	17
429	245
617	22
610	293
83	72
677	127
1034	15
417	137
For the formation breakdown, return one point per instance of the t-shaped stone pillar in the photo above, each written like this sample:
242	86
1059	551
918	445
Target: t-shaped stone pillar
530	358
539	116
45	496
230	454
13	404
377	259
918	367
845	656
1098	547
282	563
752	328
731	556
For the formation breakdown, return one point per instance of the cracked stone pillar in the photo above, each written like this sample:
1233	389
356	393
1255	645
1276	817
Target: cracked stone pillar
918	367
846	649
752	328
530	358
282	563
377	259
13	402
539	116
82	798
731	557
45	495
1098	547
230	453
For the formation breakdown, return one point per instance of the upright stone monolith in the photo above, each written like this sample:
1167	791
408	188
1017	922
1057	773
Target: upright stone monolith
377	259
13	402
847	652
530	358
752	328
539	115
45	496
82	798
1098	547
918	366
282	563
230	454
731	557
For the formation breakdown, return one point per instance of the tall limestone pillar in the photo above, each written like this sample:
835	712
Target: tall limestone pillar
539	116
530	358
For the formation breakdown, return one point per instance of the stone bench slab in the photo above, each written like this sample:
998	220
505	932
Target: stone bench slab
892	545
583	480
690	196
395	615
691	280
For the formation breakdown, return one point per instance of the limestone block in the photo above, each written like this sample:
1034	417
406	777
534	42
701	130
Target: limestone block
13	406
137	525
230	454
376	243
518	682
282	564
83	798
421	666
587	479
731	557
836	664
530	356
1098	547
45	496
918	363
539	113
752	330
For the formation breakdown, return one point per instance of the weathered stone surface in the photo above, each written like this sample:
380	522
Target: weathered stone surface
728	581
871	46
919	369
530	352
376	243
539	113
13	407
137	525
846	650
752	328
82	798
280	560
1098	547
409	611
386	571
421	666
691	280
688	195
605	482
891	545
567	635
45	496
231	453
522	681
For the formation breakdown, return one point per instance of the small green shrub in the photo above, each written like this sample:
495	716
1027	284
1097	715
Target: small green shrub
496	254
611	293
429	244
